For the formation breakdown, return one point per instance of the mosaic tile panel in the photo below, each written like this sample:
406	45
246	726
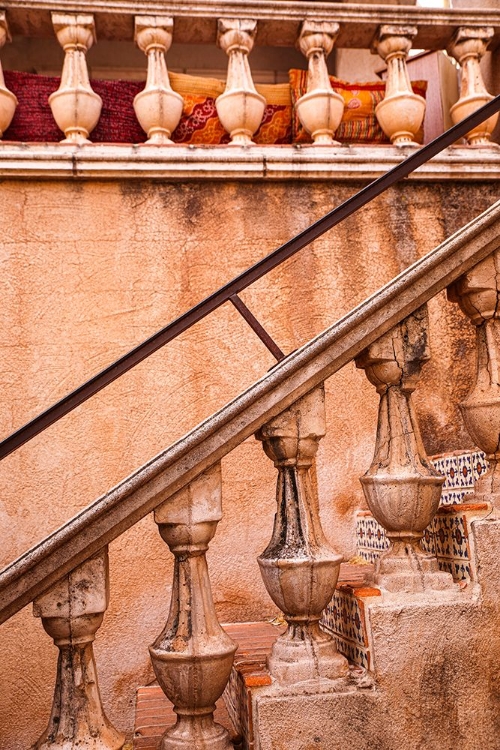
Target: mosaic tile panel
344	618
353	653
371	538
461	571
448	538
461	472
451	536
428	542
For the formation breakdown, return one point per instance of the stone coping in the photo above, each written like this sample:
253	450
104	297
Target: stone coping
226	162
279	20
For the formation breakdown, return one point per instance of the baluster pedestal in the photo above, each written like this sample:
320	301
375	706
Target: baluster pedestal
478	294
401	112
75	106
401	487
320	109
158	108
193	656
240	107
299	569
8	100
71	612
468	48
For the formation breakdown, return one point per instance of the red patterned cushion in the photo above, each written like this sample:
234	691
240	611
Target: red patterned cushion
33	121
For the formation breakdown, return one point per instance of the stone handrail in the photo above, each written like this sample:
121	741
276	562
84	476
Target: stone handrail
175	468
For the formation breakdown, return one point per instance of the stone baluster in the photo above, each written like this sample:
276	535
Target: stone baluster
299	569
401	112
240	107
72	611
468	47
8	101
75	107
192	657
158	108
478	294
401	487
321	108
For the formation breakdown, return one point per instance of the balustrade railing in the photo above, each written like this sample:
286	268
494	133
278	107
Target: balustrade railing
389	32
192	657
66	575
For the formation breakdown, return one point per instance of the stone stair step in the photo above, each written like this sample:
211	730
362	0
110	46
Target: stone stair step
154	712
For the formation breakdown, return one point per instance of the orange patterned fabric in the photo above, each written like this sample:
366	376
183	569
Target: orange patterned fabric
200	124
359	123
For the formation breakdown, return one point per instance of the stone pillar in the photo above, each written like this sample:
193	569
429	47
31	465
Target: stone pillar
75	107
193	656
401	486
240	107
72	611
468	47
478	294
320	109
401	112
299	568
8	100
157	108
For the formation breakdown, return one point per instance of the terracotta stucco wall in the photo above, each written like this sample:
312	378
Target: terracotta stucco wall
90	269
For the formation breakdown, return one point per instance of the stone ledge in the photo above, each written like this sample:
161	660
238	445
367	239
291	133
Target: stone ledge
279	20
124	161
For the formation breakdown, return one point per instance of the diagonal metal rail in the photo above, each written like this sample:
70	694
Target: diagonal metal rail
244	280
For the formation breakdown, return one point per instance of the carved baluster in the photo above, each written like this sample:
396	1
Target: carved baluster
478	294
401	112
299	568
8	100
320	109
401	487
71	612
193	656
75	107
468	47
158	108
240	107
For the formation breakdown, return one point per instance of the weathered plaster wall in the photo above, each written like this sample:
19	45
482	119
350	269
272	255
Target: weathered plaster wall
90	269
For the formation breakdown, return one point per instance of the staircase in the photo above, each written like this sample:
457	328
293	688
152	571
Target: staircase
410	613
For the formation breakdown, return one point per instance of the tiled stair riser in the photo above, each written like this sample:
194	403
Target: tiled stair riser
344	618
448	535
461	471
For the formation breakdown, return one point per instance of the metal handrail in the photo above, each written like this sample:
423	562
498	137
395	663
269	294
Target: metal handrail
229	291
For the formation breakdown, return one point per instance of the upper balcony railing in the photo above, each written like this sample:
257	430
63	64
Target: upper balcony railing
311	107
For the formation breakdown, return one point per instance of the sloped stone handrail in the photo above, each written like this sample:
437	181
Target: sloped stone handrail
132	499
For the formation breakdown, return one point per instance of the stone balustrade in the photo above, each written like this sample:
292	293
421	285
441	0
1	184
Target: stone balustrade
193	656
389	32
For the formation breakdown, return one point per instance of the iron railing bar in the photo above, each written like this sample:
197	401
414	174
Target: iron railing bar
257	328
245	279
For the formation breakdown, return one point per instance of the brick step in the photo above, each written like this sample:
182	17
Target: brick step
155	714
